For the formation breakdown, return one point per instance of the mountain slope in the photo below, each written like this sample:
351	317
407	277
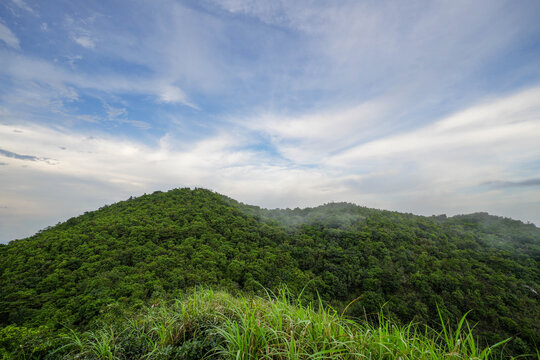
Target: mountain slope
152	247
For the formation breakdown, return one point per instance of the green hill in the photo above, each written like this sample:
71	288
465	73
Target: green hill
152	248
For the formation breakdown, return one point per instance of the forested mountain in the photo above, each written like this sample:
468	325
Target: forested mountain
155	246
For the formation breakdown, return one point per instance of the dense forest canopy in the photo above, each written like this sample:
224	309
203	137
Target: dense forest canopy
155	246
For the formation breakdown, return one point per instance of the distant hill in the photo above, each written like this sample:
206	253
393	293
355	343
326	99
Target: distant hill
153	247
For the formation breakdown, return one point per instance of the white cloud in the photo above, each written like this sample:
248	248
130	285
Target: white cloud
173	94
114	112
85	41
408	51
271	12
120	115
24	6
507	128
46	80
8	37
308	137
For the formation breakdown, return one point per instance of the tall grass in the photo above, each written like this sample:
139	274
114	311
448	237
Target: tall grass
210	324
282	329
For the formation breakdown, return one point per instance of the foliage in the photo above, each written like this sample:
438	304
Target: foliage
132	253
19	342
215	325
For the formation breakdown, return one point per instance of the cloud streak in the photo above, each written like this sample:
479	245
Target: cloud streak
494	128
24	6
512	184
7	36
13	155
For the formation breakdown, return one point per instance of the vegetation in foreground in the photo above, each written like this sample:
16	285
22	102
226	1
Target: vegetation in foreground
210	324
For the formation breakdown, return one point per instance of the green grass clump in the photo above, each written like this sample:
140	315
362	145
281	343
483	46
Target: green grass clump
279	328
210	324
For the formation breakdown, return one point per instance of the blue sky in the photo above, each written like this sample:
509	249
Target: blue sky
424	107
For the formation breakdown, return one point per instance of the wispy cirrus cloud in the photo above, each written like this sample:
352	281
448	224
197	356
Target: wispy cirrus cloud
495	129
80	30
24	6
47	80
7	36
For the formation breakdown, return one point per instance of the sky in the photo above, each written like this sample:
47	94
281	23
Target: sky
427	107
